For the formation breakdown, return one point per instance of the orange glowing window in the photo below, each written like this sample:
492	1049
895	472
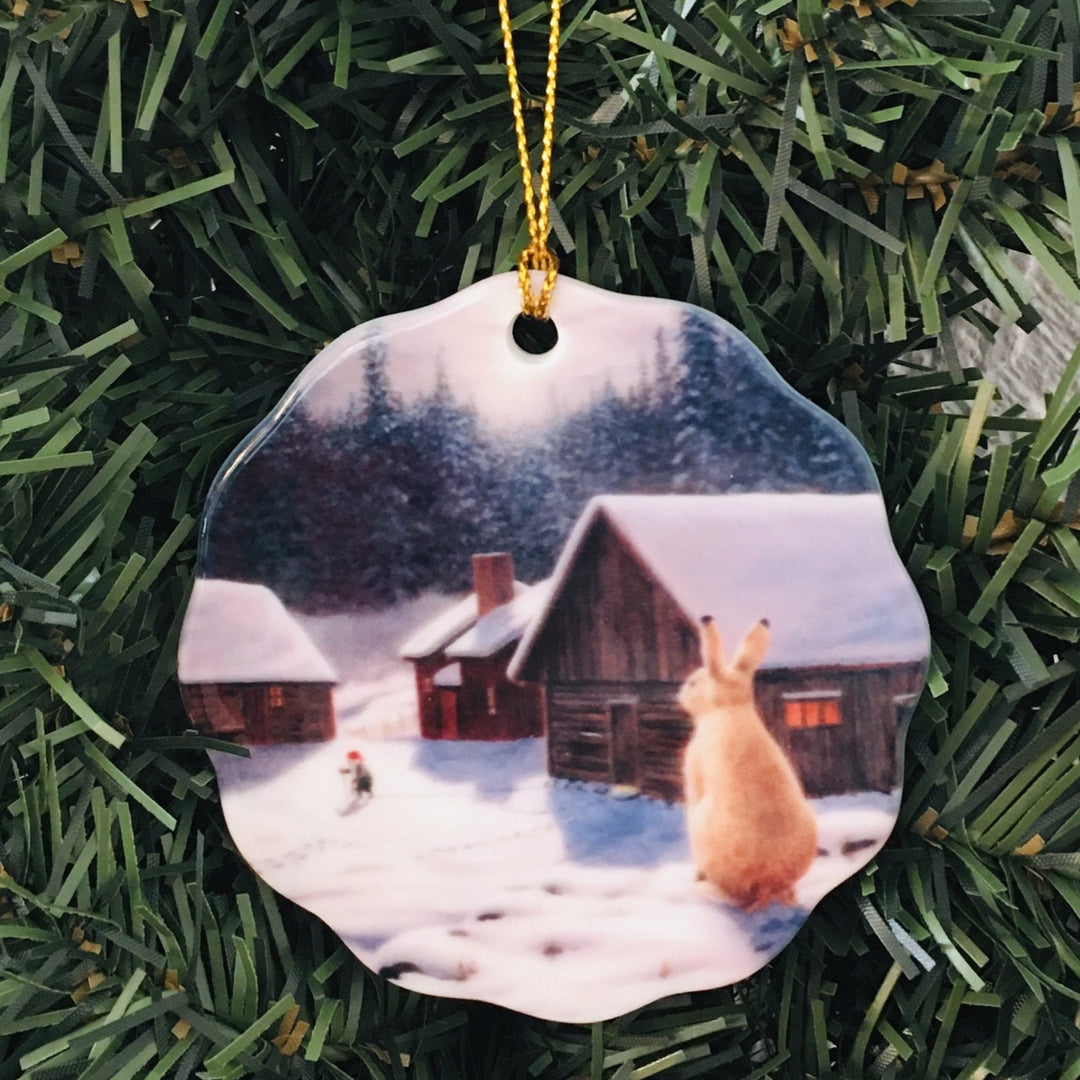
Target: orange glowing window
277	697
812	710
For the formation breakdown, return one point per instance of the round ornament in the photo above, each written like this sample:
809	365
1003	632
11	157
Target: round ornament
563	681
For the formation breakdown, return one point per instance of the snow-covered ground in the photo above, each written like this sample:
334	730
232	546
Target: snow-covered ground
471	873
377	695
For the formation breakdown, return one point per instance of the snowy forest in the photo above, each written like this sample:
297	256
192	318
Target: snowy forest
390	499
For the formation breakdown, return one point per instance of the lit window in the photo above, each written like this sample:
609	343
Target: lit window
277	697
812	709
491	703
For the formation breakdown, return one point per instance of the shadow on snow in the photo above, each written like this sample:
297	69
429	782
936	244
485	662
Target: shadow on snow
265	763
495	769
602	830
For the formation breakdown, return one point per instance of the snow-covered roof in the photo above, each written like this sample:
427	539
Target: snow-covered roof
448	626
448	676
505	624
433	635
236	632
821	568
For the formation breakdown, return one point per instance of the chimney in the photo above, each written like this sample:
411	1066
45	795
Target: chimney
493	579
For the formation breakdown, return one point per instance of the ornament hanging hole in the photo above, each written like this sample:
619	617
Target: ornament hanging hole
535	337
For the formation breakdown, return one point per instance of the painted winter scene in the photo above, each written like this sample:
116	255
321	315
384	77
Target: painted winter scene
565	683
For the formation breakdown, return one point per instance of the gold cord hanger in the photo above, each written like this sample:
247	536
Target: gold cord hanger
537	256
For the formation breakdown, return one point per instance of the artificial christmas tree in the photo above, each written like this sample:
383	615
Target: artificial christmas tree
197	195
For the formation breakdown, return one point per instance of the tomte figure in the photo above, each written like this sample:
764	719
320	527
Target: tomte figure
360	780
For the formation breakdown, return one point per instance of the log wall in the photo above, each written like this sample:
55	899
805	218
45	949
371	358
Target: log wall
249	712
859	754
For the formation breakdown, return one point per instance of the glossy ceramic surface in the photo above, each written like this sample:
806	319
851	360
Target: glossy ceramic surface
450	598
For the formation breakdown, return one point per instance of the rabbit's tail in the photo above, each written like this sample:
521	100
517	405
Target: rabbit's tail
763	892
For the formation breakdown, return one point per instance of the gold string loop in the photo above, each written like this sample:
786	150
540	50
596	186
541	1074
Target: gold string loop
537	259
537	256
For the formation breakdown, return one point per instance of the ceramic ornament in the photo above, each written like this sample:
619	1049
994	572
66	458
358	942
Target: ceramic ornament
568	682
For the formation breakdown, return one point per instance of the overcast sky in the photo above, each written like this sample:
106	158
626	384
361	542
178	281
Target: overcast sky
603	337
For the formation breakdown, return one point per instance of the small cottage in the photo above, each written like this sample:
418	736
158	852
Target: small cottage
247	669
619	633
460	660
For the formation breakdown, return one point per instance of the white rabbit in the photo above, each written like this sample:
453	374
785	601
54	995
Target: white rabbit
752	831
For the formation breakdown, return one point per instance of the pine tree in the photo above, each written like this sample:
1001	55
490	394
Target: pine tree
381	409
701	406
259	527
454	483
536	507
655	423
740	428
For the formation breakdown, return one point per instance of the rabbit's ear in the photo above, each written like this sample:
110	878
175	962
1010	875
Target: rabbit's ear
712	648
752	650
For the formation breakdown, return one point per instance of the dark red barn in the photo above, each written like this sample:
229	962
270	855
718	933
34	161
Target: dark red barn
460	660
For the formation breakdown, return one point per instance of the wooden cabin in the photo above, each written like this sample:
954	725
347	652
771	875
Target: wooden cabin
460	660
248	671
619	633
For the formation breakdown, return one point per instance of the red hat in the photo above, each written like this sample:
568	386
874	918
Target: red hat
355	755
